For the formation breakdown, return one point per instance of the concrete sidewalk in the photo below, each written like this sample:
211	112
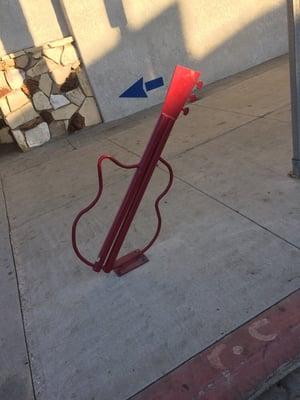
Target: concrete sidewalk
230	245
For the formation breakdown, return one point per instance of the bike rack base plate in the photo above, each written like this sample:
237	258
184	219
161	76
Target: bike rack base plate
129	262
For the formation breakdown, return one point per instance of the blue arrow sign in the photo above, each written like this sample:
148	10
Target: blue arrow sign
154	84
137	89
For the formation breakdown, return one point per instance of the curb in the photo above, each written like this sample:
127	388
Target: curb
242	364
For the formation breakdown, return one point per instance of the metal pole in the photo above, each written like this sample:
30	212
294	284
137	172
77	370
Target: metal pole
293	7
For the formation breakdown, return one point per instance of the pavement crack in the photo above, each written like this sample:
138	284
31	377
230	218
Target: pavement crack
18	286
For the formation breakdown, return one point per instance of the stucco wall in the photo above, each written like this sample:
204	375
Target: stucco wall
121	41
25	23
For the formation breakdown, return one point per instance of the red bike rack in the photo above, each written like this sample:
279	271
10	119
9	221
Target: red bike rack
180	92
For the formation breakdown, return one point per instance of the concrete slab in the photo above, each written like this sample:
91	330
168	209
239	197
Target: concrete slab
15	379
247	170
54	183
256	96
201	125
228	250
283	114
99	336
12	161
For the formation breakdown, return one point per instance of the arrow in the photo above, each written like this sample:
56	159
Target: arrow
154	84
137	89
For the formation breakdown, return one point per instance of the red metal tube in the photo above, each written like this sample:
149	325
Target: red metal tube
179	92
147	166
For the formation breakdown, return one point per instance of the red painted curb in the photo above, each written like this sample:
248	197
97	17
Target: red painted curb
240	363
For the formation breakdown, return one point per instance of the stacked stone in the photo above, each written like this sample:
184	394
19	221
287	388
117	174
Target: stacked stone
44	93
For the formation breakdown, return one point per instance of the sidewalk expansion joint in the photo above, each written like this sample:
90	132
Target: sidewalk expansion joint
111	140
226	110
71	144
246	114
18	287
215	198
238	212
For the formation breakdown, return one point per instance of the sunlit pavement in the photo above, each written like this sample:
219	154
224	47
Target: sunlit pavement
229	248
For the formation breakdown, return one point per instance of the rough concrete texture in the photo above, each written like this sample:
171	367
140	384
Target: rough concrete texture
15	380
240	366
120	42
229	247
287	389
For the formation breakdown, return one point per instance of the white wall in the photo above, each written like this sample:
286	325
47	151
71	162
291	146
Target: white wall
122	40
25	23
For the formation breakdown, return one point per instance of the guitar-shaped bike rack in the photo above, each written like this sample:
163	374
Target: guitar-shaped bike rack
180	92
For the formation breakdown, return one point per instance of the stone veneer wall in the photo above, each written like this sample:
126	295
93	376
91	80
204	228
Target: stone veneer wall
44	93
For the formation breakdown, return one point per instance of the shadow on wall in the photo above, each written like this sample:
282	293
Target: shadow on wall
132	45
154	49
12	19
24	24
116	14
60	17
44	92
